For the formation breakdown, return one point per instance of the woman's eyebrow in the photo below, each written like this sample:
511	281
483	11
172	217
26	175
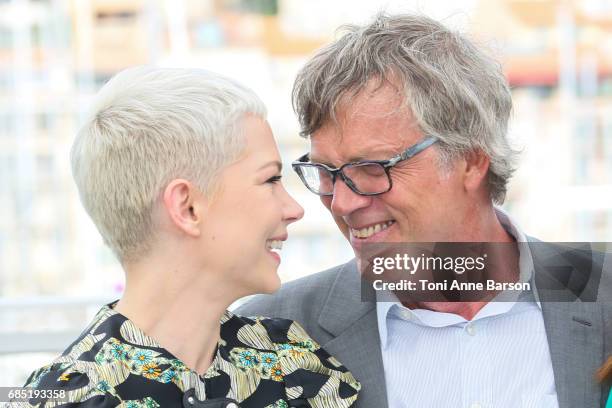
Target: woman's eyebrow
276	163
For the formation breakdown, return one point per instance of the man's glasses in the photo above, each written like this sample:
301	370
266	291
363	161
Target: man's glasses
367	177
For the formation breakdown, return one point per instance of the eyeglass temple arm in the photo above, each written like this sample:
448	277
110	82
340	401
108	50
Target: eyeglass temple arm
417	148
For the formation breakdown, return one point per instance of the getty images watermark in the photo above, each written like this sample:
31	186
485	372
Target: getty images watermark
482	271
457	265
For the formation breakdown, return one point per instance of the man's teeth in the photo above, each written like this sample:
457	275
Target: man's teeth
275	245
371	230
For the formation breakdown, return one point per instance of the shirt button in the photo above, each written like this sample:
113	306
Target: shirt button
471	330
475	405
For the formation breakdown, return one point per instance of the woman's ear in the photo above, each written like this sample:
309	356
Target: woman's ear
185	206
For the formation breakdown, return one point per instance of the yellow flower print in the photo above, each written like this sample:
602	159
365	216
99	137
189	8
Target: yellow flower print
151	371
277	373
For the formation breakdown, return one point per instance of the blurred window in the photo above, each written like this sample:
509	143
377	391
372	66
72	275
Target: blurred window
265	7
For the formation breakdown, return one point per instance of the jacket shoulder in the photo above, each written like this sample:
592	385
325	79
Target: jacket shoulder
295	300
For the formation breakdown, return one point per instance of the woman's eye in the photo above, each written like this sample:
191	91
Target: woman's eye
274	179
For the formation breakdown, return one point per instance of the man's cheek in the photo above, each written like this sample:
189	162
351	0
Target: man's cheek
342	226
326	200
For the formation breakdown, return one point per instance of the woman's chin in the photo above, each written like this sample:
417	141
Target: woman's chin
269	284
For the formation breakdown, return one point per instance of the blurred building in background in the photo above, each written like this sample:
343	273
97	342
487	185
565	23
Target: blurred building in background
55	54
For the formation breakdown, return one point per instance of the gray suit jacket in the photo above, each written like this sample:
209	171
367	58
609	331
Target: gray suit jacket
328	304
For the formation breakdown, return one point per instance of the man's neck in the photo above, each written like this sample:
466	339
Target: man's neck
492	231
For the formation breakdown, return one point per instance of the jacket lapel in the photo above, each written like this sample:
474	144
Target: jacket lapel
356	342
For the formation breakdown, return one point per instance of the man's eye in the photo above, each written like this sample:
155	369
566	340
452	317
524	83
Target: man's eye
274	179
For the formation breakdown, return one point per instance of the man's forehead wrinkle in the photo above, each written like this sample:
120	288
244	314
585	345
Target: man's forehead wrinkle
367	147
386	141
337	126
375	108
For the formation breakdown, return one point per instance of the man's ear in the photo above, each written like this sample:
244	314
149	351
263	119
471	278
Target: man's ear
185	206
476	169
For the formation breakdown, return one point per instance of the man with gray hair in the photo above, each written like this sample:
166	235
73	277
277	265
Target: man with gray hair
407	122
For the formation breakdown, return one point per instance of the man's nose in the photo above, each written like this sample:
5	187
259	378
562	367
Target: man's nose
345	201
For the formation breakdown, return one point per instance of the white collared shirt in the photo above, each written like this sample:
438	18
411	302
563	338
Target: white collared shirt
498	359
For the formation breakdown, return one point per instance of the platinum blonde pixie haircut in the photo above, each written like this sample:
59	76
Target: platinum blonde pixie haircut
147	127
455	91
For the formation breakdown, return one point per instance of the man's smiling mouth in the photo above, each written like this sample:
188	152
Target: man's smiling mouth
368	231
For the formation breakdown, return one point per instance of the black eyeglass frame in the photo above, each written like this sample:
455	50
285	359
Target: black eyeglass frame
386	164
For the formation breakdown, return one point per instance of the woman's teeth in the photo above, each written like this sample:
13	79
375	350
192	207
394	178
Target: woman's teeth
274	245
371	230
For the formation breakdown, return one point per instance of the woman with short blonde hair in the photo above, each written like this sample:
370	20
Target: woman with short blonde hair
180	173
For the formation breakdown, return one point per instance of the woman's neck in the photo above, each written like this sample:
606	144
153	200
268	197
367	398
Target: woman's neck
183	318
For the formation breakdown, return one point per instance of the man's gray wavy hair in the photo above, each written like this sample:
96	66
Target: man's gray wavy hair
455	91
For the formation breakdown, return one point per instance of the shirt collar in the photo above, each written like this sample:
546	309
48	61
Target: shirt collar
125	325
384	303
117	323
526	265
388	306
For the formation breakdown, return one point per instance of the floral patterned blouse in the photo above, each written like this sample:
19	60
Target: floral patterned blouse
259	362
